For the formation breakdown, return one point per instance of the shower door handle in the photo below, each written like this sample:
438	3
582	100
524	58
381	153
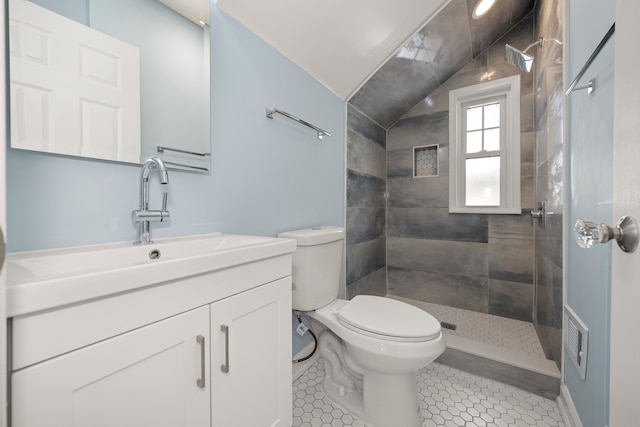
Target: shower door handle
589	233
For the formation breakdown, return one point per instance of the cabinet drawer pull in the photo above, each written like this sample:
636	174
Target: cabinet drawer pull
201	381
225	367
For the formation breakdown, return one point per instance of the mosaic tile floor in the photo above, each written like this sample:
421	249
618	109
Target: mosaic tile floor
502	332
449	397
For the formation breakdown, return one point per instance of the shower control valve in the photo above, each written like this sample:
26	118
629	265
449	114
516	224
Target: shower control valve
541	214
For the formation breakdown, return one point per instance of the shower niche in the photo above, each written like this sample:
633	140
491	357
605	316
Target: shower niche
425	161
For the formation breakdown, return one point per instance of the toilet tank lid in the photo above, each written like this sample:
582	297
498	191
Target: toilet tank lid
315	235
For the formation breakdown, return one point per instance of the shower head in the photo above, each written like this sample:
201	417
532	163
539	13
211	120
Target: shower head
518	58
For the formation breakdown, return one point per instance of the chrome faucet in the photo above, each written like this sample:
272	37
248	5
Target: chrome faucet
143	216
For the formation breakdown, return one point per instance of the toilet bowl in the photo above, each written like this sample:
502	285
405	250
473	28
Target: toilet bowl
373	346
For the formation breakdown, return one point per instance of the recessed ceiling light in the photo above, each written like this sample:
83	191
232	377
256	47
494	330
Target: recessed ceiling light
481	8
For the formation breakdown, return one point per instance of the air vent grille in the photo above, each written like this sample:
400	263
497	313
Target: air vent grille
575	341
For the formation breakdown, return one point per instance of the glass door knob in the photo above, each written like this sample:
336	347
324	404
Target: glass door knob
589	233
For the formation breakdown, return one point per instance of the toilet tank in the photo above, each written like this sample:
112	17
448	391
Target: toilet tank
316	266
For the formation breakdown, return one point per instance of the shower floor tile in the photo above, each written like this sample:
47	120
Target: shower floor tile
511	334
449	397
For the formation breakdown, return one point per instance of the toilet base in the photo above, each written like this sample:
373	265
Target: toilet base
391	400
385	401
348	400
378	399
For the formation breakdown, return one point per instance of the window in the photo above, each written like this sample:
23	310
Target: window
484	138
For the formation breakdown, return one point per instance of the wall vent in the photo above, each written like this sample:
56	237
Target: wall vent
576	339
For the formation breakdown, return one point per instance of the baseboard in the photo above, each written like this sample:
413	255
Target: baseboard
301	367
567	409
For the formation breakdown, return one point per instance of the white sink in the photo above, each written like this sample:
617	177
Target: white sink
39	280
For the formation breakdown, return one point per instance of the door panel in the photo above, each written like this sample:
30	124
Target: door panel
255	347
147	377
625	281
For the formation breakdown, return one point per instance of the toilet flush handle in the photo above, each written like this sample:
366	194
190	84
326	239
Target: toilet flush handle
589	233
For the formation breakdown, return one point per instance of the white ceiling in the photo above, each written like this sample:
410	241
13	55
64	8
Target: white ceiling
195	10
341	43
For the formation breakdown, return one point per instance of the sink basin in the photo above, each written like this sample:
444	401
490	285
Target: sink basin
39	280
55	262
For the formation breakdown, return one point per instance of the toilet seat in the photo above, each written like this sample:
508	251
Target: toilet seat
388	319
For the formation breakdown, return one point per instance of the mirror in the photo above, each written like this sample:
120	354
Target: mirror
117	80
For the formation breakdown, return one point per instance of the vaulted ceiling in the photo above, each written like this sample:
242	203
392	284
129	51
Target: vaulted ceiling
383	56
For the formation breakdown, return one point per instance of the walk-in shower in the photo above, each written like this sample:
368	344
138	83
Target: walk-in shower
403	242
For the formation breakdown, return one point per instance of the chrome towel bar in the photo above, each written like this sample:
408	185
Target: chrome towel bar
186	166
321	132
185	160
163	149
591	86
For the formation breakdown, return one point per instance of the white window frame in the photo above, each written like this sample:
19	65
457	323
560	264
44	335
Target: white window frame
509	88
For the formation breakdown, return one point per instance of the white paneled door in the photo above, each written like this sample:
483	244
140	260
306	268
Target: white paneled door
625	291
74	90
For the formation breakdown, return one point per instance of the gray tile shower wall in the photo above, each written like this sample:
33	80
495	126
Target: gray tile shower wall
366	205
549	164
476	262
511	251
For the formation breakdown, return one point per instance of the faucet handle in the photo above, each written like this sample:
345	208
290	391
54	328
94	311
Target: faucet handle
151	216
164	200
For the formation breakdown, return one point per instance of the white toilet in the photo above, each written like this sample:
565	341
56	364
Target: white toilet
373	345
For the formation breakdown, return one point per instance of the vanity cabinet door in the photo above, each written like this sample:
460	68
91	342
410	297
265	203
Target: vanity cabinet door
146	377
251	357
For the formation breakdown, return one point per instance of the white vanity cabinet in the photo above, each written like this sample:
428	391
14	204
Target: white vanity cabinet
146	377
209	349
224	364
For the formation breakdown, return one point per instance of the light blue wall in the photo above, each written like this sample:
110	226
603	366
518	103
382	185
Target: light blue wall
78	10
274	175
268	175
590	184
271	175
